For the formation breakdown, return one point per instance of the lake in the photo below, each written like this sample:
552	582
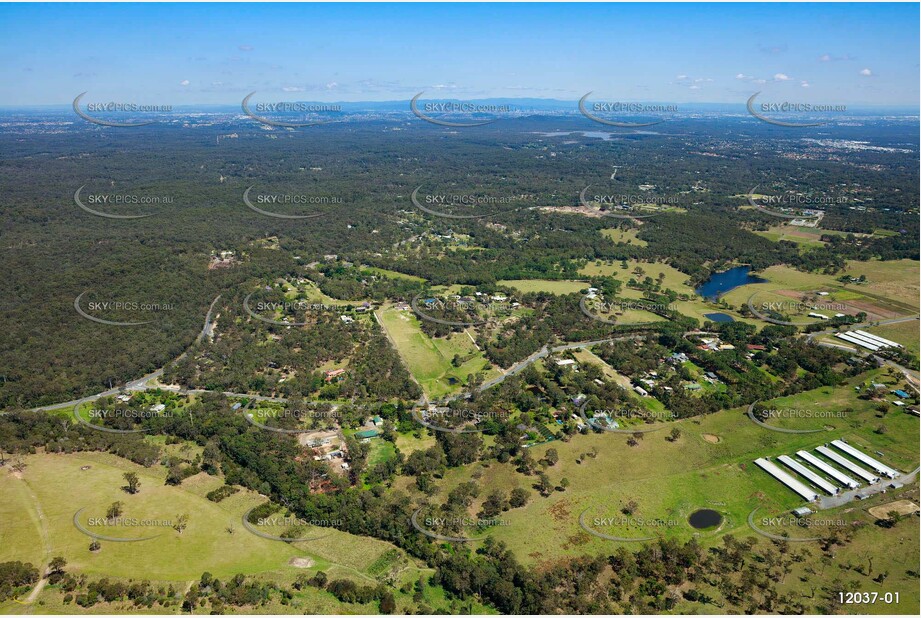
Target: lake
719	317
720	283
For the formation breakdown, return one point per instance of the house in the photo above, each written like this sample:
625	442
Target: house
367	433
578	399
711	375
347	319
802	511
333	374
378	421
693	386
754	347
900	394
813	314
566	362
159	407
822	293
642	391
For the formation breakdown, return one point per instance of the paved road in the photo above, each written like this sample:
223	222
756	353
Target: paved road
830	502
142	383
545	352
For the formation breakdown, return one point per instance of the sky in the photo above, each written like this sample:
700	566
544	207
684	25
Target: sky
185	54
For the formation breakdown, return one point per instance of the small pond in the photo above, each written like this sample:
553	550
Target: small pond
705	519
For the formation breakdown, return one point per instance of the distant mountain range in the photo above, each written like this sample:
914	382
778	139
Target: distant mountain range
517	105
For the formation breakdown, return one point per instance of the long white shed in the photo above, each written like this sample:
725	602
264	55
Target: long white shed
786	479
809	475
836	474
856	454
847	463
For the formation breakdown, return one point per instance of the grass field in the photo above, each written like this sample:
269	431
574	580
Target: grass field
709	466
905	333
428	359
891	291
38	505
392	274
625	236
543	285
805	237
61	487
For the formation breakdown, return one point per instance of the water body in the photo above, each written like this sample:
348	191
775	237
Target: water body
720	283
602	135
705	518
719	317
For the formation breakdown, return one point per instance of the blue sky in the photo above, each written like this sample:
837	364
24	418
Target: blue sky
217	53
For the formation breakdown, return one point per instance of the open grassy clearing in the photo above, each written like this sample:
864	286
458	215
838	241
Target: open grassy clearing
906	333
879	300
805	237
392	274
625	236
428	359
62	487
545	285
709	466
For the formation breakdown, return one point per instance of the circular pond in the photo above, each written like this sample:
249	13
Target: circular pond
705	519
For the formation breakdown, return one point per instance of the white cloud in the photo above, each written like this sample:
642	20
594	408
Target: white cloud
332	86
184	82
781	77
681	77
825	58
866	72
744	76
804	84
292	89
246	48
